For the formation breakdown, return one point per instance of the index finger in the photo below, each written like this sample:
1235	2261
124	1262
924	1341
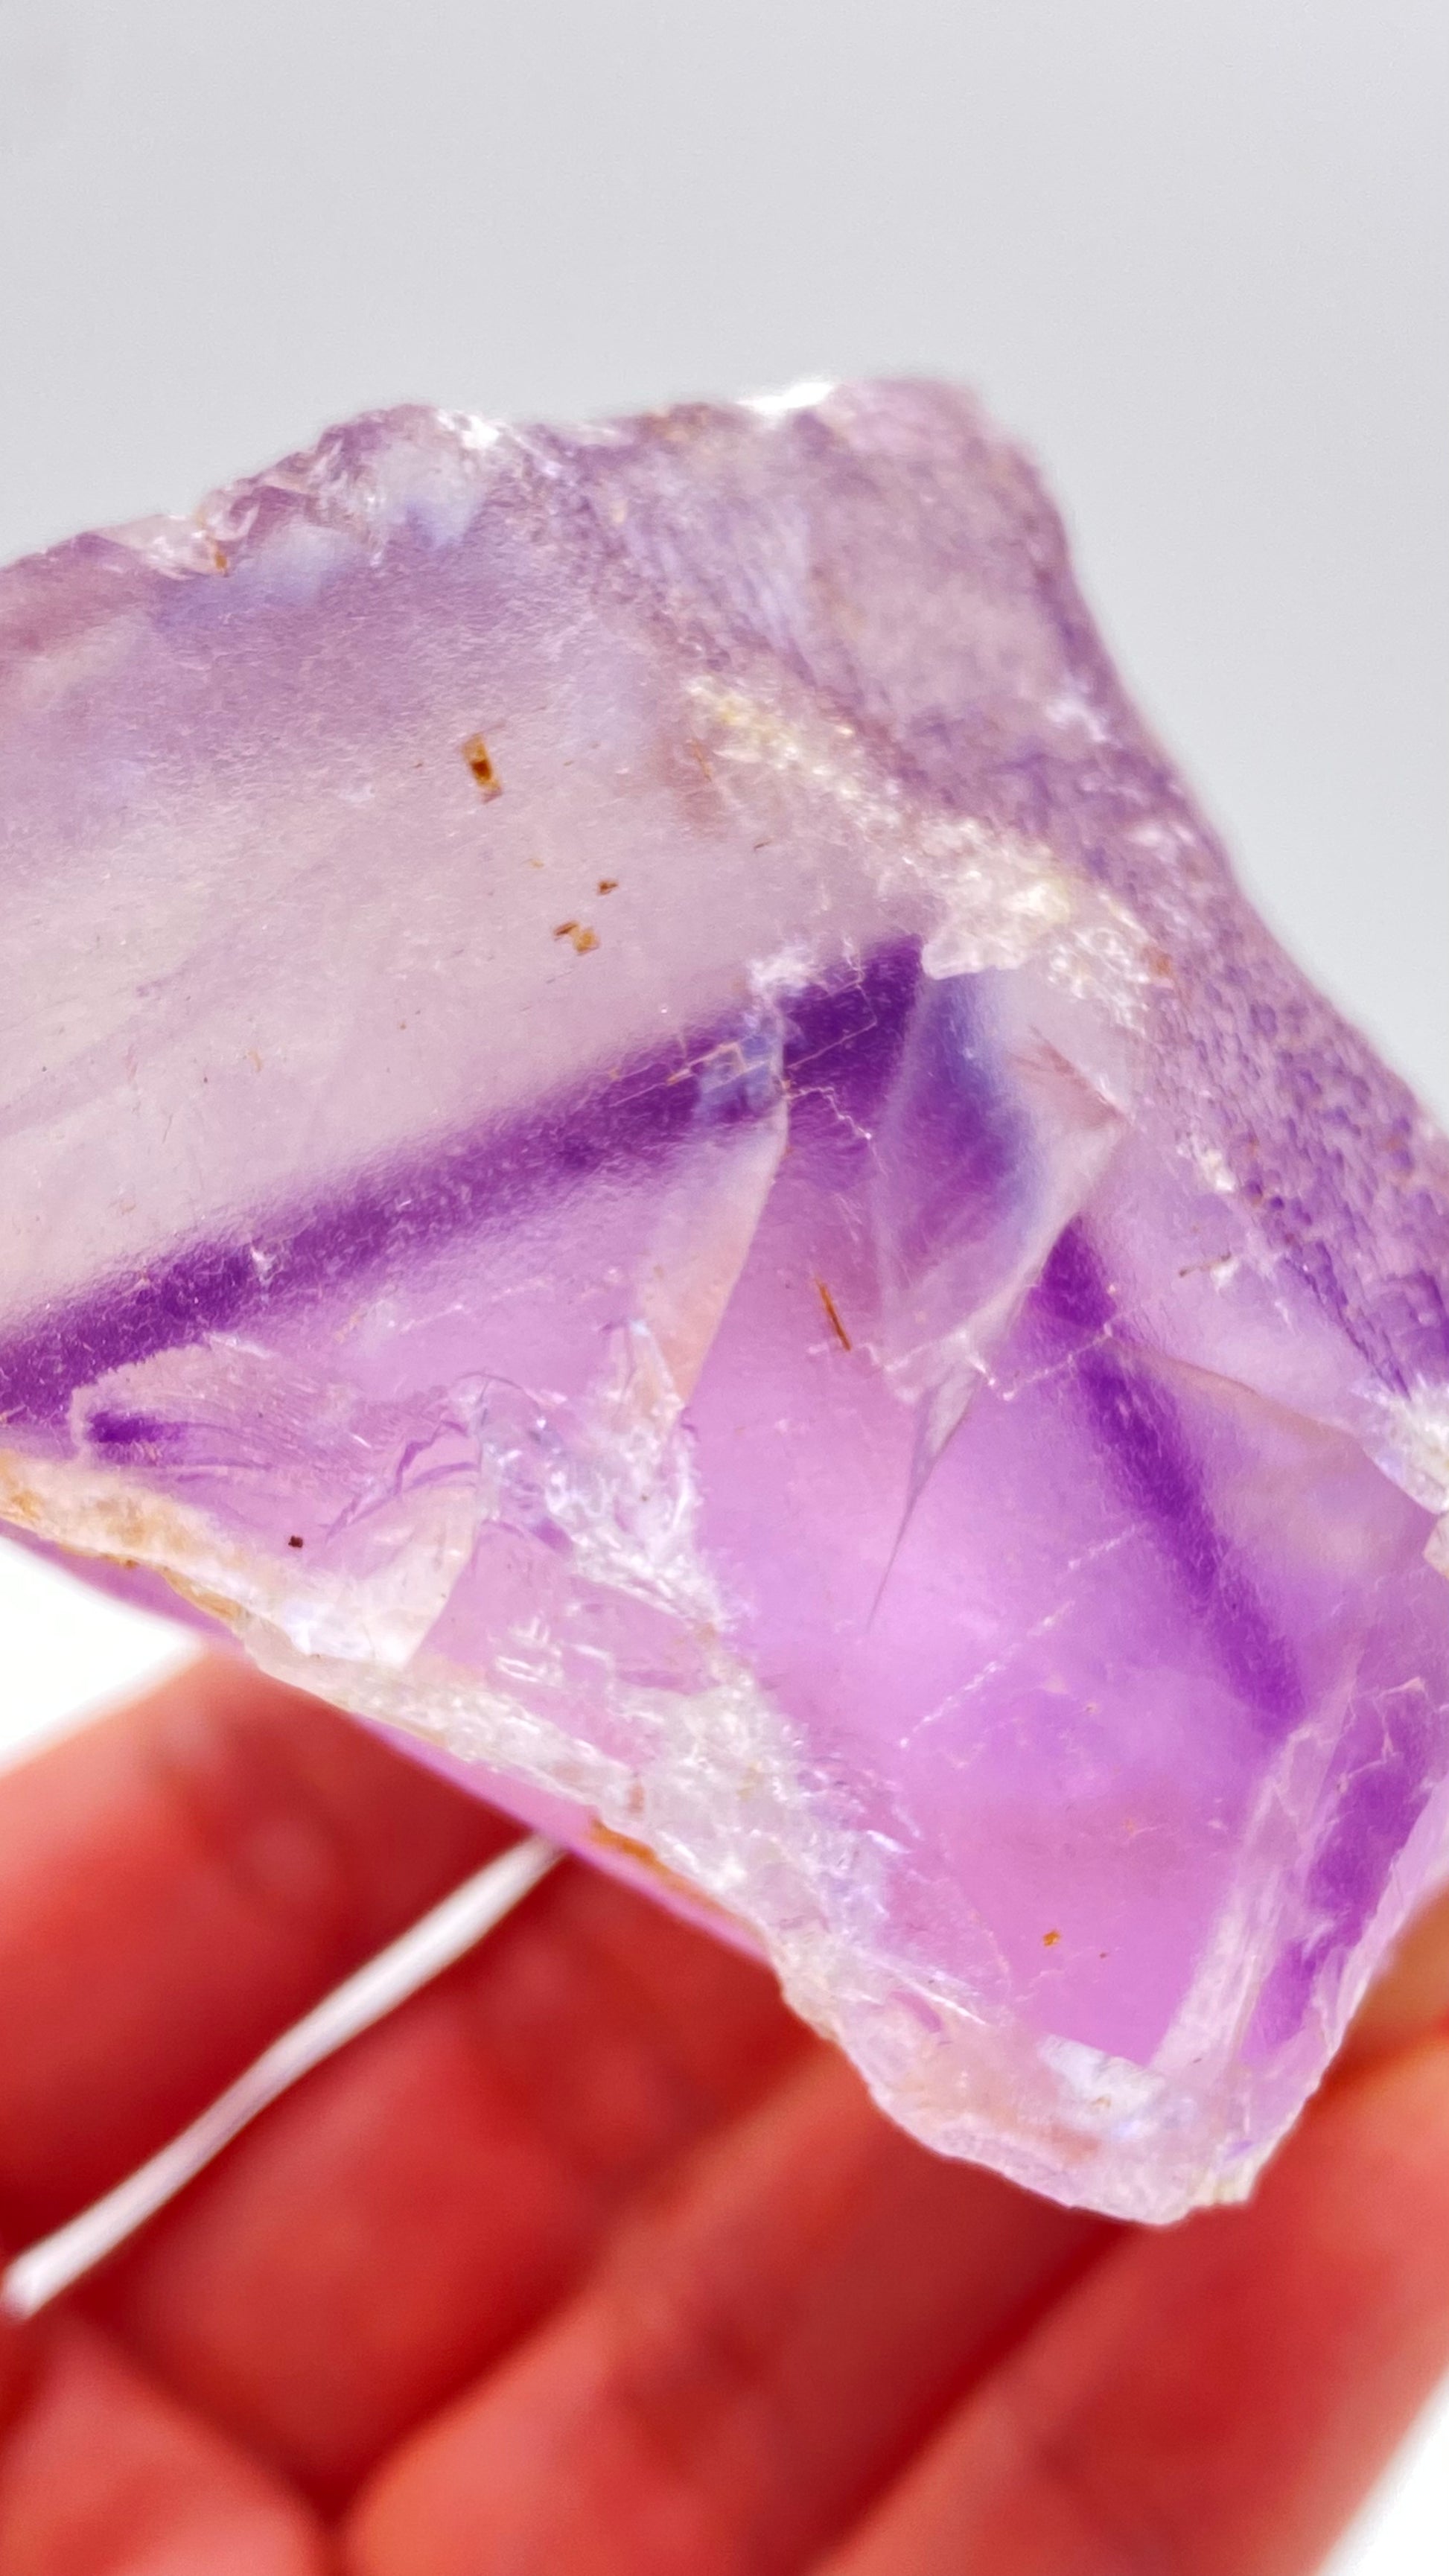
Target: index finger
176	1884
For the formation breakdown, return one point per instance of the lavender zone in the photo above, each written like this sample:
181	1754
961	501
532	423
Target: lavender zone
644	1139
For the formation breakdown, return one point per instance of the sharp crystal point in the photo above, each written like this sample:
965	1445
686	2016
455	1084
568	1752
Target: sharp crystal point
644	1138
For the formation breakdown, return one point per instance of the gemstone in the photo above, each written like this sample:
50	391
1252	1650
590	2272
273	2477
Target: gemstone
645	1140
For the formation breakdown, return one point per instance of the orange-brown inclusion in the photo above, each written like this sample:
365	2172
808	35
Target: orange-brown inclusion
833	1312
480	761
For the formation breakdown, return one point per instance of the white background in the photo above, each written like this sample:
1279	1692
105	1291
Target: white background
1194	250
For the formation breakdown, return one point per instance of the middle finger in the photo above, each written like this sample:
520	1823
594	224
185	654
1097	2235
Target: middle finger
394	2224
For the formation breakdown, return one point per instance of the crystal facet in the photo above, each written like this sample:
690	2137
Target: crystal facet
644	1138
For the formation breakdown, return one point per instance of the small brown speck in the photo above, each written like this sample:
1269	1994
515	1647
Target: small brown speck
294	1542
579	932
1049	1940
608	885
833	1313
220	559
480	761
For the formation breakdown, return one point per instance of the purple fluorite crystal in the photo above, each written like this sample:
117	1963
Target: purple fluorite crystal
643	1136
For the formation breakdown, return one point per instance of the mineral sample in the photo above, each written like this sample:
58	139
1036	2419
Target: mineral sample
644	1138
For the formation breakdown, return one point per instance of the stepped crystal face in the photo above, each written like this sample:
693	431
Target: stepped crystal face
643	1138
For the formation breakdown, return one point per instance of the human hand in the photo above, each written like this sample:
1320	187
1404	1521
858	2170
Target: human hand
592	2261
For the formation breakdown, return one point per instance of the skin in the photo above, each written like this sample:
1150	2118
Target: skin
592	2262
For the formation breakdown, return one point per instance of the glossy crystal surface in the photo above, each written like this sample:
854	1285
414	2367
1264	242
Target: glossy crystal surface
643	1137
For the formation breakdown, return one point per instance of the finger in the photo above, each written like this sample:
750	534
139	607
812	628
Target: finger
103	2476
1216	2399
393	2226
760	2350
15	2362
175	1886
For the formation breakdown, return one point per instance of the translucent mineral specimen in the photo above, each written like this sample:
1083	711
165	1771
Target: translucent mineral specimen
642	1136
